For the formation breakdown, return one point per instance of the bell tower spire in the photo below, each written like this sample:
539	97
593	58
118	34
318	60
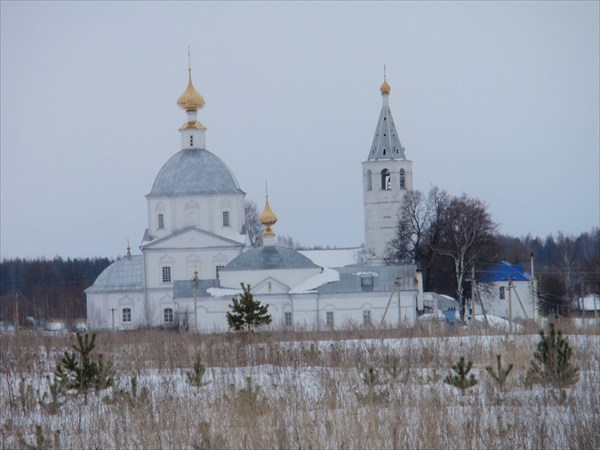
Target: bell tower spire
387	175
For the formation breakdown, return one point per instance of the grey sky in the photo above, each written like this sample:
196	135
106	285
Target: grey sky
498	100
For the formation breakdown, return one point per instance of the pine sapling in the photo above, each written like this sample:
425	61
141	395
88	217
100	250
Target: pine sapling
247	313
371	379
501	373
194	376
551	364
78	371
461	378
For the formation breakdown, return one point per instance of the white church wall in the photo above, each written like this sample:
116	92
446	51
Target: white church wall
203	211
108	310
257	279
349	308
183	262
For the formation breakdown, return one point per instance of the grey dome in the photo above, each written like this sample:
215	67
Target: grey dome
269	258
124	274
193	172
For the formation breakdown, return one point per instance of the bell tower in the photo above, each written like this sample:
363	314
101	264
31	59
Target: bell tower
387	176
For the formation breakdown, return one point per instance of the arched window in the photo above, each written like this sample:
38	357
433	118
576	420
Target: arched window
386	182
168	315
384	152
369	180
402	179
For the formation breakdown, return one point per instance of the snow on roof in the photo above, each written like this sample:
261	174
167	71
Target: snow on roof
338	257
366	274
311	284
221	292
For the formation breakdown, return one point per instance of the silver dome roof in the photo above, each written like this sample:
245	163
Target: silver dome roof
124	274
193	172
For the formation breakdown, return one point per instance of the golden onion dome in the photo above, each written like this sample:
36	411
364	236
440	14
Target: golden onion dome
268	219
385	87
190	100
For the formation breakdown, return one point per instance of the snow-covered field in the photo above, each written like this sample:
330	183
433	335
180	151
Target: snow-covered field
276	390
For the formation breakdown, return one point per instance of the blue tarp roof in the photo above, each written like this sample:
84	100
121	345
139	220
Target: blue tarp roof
504	271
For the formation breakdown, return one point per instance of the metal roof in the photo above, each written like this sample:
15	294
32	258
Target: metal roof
269	258
185	288
193	172
124	274
504	271
386	137
357	278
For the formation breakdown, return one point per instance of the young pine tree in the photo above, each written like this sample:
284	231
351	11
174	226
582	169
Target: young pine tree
501	373
461	378
247	313
551	364
80	372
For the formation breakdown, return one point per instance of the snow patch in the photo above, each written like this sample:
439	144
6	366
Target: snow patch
221	292
311	284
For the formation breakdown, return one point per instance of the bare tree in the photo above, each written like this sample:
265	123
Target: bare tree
253	225
467	239
422	220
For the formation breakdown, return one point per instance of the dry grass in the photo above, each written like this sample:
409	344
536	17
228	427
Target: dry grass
302	389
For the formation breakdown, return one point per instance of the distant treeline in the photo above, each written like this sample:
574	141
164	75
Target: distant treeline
46	288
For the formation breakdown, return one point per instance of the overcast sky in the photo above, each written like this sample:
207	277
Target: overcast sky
497	100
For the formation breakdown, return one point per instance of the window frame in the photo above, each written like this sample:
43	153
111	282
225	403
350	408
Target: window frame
168	315
161	221
126	315
366	283
166	274
329	318
226	219
288	319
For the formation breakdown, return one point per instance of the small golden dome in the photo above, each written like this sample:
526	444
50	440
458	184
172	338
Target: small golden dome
190	100
268	219
385	87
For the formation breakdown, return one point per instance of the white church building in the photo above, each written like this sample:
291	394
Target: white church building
195	252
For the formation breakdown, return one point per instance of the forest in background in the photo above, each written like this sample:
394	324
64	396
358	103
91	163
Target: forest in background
46	289
567	267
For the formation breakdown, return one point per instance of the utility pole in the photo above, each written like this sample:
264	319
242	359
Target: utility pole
472	293
195	280
396	286
510	317
16	311
532	286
